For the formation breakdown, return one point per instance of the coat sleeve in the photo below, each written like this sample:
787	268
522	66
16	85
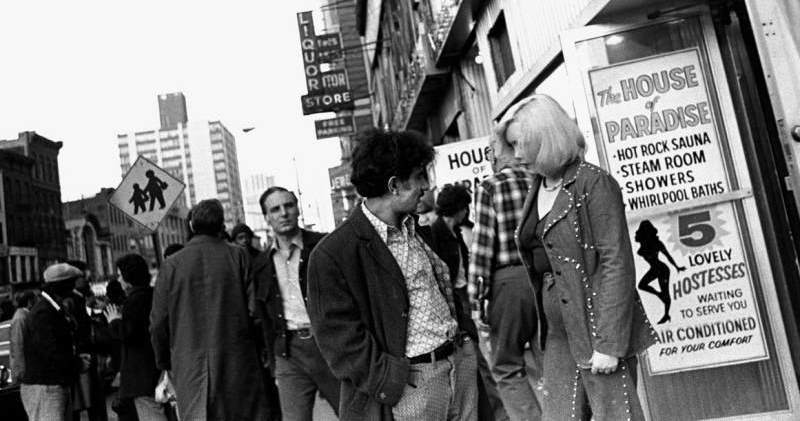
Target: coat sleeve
482	247
346	344
17	354
159	317
131	329
614	280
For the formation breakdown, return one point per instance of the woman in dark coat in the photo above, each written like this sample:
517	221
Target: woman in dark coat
574	241
138	372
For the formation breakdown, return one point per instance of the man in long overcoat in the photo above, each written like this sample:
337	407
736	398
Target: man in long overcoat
200	327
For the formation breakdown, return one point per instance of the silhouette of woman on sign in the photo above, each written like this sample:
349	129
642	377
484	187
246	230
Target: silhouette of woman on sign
155	189
647	236
139	198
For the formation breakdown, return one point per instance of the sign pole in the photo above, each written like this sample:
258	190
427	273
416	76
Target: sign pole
157	247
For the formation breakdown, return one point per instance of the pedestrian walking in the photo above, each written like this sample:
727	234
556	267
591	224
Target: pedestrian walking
200	327
281	298
51	365
574	240
130	325
501	294
24	301
88	393
380	300
452	210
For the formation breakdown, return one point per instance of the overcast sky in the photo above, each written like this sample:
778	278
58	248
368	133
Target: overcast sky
83	71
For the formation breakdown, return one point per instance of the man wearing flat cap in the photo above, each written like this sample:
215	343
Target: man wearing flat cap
51	365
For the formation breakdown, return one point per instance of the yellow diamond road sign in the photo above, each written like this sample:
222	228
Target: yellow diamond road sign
147	193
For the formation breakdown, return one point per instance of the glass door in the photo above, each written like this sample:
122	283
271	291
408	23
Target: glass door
655	100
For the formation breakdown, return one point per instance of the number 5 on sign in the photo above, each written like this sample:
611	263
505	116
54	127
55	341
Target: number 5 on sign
695	229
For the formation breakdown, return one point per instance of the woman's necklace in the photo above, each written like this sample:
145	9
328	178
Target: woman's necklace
553	187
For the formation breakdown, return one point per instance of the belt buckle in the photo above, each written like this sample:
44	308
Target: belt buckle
304	333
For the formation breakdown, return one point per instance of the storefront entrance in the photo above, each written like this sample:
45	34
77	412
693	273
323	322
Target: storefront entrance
674	108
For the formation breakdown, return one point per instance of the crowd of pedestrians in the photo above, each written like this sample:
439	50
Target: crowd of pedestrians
392	316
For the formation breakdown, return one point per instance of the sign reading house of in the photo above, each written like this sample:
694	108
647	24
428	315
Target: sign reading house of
147	193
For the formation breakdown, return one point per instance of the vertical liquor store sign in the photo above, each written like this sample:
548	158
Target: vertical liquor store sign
660	140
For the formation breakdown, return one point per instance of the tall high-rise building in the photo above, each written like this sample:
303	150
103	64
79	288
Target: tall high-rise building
254	186
172	110
202	154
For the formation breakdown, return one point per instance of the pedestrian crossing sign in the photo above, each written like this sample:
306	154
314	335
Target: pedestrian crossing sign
147	193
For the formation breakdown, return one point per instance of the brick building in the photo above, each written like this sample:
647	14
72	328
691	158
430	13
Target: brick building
31	225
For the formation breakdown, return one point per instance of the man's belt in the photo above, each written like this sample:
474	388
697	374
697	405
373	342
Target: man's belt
443	351
304	333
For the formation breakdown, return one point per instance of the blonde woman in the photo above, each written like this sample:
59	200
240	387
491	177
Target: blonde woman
574	242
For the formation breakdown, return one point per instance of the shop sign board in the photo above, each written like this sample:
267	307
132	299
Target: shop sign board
658	130
308	46
337	126
332	81
146	193
660	140
466	162
340	177
320	103
329	47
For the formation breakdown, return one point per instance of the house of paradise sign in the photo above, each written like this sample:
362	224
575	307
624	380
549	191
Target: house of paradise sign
660	140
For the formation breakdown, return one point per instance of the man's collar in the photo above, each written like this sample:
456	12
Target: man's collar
50	300
382	227
296	240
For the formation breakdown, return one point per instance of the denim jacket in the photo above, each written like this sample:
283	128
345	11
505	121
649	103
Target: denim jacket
586	240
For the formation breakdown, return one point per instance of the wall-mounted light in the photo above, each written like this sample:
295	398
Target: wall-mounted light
615	40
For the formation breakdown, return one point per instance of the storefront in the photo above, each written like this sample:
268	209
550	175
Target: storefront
682	106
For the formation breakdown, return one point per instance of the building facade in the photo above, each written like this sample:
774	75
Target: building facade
32	224
202	154
340	17
254	186
99	233
452	68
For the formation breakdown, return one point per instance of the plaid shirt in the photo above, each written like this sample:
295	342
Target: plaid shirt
498	211
431	311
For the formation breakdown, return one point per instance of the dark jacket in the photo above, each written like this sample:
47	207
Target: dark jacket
586	240
358	305
49	341
447	246
138	372
201	330
269	303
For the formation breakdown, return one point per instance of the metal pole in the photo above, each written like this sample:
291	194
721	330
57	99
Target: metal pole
299	193
157	247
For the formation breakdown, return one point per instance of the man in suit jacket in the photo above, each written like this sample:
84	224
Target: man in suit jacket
51	365
200	327
280	278
381	301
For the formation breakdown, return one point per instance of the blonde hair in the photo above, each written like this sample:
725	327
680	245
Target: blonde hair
543	121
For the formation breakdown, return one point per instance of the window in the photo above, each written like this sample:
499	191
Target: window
500	46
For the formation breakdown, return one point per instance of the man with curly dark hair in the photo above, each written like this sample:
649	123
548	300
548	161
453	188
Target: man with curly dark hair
381	301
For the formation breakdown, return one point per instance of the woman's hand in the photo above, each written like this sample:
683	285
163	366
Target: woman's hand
603	364
112	313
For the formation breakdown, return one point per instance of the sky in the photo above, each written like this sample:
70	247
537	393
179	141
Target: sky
83	71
